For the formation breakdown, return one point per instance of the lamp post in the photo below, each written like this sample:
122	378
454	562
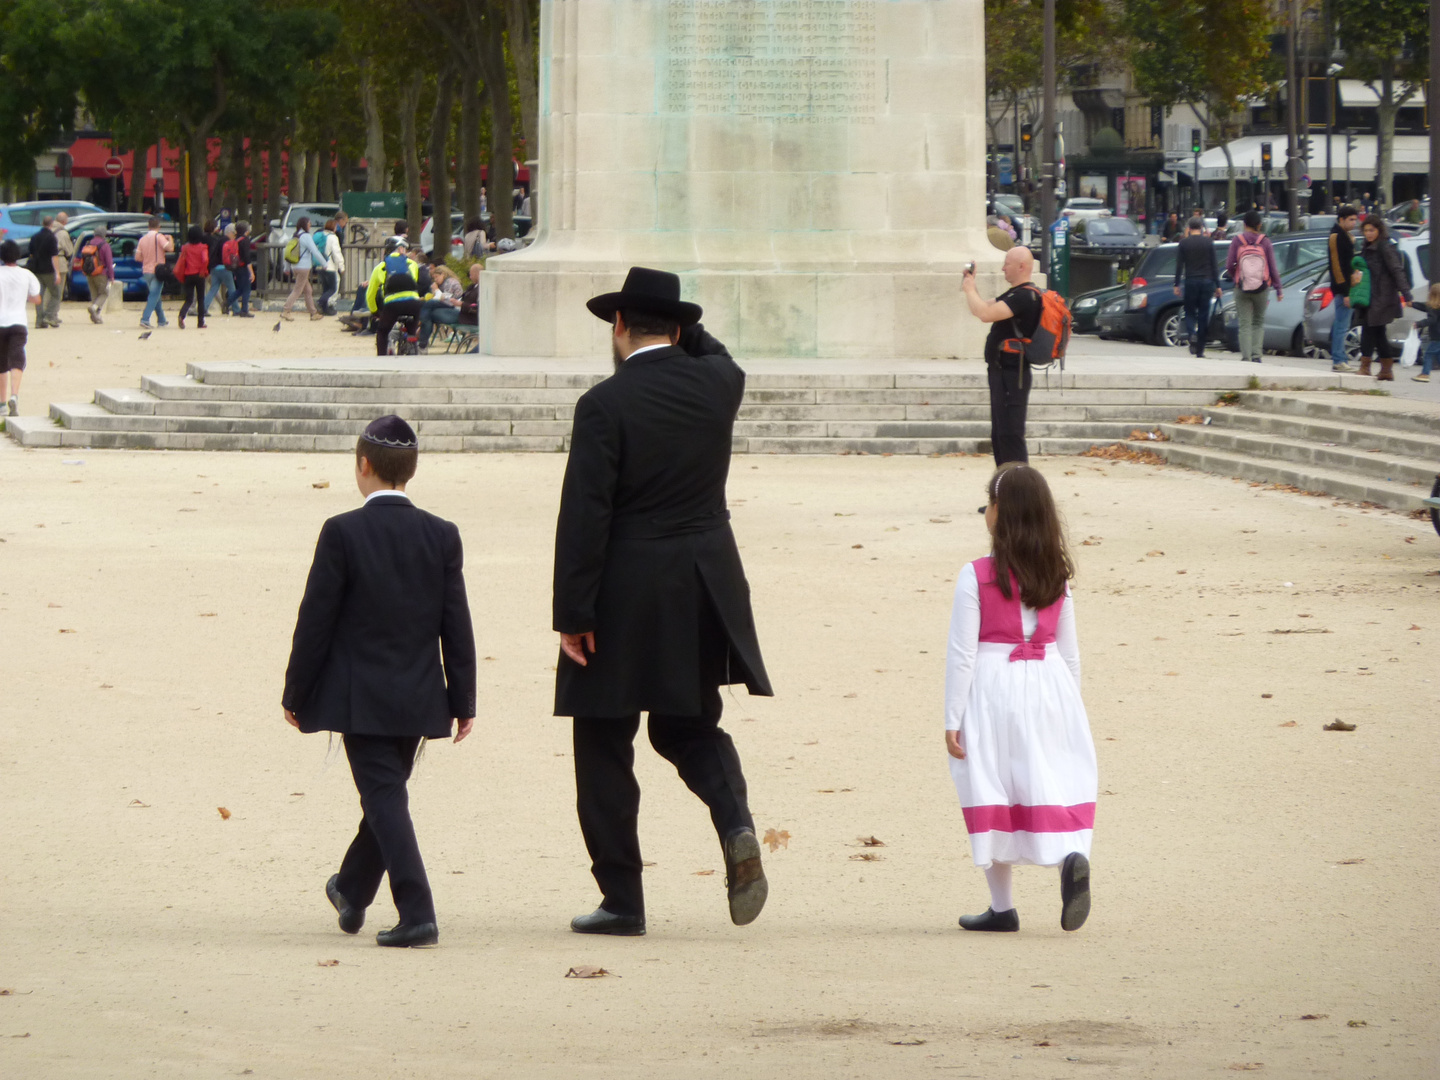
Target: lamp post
1047	136
1292	117
1434	131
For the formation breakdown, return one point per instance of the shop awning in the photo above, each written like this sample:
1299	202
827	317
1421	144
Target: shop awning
1354	93
1411	155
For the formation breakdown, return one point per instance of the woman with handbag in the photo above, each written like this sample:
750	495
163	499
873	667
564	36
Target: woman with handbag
191	268
1388	287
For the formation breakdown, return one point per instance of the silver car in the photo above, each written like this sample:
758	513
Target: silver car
1320	302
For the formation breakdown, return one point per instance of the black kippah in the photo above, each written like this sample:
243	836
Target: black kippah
391	431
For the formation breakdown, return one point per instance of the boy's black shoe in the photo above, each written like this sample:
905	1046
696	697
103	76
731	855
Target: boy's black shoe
351	918
1074	891
744	877
996	922
601	921
419	936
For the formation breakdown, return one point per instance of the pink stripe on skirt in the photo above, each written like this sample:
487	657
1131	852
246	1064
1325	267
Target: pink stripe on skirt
1031	819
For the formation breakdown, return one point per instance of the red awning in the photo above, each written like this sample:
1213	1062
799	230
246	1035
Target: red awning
88	157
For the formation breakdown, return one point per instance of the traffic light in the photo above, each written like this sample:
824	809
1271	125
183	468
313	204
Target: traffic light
1349	142
1027	135
1304	148
1267	159
1194	140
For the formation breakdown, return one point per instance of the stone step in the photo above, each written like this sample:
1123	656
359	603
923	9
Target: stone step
1360	410
1400	442
1396	496
1374	465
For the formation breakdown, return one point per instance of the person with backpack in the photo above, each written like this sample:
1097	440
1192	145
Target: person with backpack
239	259
1013	316
221	276
97	263
328	241
1389	293
191	270
1252	267
302	255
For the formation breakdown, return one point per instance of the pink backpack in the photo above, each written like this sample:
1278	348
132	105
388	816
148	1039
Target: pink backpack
1252	270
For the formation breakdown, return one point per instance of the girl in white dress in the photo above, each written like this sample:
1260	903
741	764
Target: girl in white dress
1020	748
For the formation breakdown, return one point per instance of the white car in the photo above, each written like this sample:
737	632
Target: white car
1080	208
283	228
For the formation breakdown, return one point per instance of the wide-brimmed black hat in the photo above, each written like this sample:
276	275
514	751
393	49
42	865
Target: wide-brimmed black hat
656	291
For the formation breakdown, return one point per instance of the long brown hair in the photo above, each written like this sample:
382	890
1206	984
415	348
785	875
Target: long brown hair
1028	540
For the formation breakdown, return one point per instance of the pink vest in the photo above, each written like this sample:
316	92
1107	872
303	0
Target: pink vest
1000	619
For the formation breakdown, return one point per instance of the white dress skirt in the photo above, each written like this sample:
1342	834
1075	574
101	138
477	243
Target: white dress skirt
1028	781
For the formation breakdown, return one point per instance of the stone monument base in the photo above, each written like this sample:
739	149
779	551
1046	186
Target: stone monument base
536	310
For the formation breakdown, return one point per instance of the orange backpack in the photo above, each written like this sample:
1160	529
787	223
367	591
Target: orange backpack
1052	333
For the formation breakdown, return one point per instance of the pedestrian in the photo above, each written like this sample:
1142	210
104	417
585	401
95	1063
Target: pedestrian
650	597
1430	330
474	244
1389	291
18	287
222	277
1343	275
1172	227
44	257
384	655
65	259
334	265
1251	266
240	260
151	250
190	270
308	257
1222	226
1197	265
97	263
1013	315
1021	753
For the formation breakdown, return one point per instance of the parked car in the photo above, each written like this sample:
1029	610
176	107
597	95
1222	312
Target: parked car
1320	301
1284	324
21	220
1085	308
283	227
1106	236
123	239
1084	207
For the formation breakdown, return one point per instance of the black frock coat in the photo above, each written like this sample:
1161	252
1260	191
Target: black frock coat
643	546
383	643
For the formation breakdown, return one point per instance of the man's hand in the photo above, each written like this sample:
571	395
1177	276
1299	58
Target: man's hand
1279	294
1347	300
967	281
1177	290
1217	293
954	745
462	727
290	719
1356	277
574	646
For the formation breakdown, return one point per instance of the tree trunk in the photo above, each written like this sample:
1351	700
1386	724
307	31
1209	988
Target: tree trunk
467	155
409	106
273	151
344	173
255	211
325	190
491	50
199	175
377	175
223	172
520	24
438	153
235	185
139	178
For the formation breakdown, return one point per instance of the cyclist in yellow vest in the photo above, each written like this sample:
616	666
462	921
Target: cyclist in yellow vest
393	293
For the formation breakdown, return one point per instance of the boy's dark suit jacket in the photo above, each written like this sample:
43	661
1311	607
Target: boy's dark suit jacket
386	594
644	539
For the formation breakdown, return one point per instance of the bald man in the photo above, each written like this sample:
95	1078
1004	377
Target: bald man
1015	313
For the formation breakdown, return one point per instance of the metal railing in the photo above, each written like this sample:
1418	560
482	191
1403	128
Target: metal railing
275	277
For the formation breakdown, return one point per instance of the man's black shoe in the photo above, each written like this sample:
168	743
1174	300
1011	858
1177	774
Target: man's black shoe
351	918
744	877
1074	891
1001	922
601	921
419	936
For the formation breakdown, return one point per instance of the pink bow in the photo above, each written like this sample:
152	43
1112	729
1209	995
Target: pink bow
1027	650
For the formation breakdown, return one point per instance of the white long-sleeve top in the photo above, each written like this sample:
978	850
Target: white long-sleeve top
965	643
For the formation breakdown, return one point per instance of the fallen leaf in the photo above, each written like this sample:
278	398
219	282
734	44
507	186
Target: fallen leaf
908	1042
857	546
224	814
1172	673
588	973
865	856
1041	1044
776	840
815	742
106	686
297	793
1356	1023
1040	986
321	484
647	864
1288	723
1315	1016
138	803
1409	539
1267	695
1154	554
704	873
1339	725
871	841
1349	862
1414	627
847	695
67	631
55	605
26	1035
208	614
825	791
1247	1066
939	521
327	963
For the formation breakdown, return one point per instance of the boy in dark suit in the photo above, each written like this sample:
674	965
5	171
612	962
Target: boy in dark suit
384	654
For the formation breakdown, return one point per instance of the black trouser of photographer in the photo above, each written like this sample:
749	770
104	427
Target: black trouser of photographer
388	315
1009	399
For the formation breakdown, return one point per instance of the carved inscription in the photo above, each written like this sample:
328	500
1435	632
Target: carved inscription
805	61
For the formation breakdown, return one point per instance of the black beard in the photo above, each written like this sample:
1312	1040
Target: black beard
615	353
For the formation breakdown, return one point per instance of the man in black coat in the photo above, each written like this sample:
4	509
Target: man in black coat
384	654
650	599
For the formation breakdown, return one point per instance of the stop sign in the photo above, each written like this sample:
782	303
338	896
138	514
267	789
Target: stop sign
114	166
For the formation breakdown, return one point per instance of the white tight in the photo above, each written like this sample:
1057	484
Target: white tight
997	876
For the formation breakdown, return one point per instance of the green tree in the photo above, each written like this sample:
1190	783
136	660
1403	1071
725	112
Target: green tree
1210	54
38	96
1387	44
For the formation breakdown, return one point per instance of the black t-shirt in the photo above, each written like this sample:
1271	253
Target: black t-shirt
1024	301
43	248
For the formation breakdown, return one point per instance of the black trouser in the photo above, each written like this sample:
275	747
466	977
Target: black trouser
388	315
329	286
194	292
1198	294
1375	341
385	842
1009	398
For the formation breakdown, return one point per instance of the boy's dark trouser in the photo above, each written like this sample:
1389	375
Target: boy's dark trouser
1198	294
1009	398
385	842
